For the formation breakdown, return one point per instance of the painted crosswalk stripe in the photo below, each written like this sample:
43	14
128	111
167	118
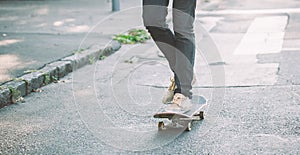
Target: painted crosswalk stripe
247	12
265	35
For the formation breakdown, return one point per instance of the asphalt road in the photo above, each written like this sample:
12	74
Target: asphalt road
107	107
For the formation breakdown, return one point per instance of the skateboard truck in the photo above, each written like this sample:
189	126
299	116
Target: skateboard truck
184	119
183	122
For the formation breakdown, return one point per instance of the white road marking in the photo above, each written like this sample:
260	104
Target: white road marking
265	35
259	11
291	49
209	22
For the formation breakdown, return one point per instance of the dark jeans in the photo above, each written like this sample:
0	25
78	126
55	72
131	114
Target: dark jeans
178	47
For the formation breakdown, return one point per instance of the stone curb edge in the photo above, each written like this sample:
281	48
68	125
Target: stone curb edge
12	91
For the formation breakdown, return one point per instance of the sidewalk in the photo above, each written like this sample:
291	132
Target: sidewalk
35	33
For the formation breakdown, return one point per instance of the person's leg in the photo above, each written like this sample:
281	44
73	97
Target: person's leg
154	18
183	19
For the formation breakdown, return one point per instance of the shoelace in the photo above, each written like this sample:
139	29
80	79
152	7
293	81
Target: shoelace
176	100
172	86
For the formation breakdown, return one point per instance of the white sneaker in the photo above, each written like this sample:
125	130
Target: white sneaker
180	103
170	93
168	97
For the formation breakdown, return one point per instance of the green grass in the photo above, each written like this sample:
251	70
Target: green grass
47	79
78	51
2	87
30	71
18	79
92	60
132	37
102	57
15	94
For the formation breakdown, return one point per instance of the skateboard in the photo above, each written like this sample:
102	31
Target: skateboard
183	119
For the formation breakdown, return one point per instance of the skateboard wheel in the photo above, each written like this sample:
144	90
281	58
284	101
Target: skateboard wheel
201	115
161	126
189	127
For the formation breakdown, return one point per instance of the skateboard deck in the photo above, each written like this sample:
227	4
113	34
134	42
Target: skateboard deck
184	118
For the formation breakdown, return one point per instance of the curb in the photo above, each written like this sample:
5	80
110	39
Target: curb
12	91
